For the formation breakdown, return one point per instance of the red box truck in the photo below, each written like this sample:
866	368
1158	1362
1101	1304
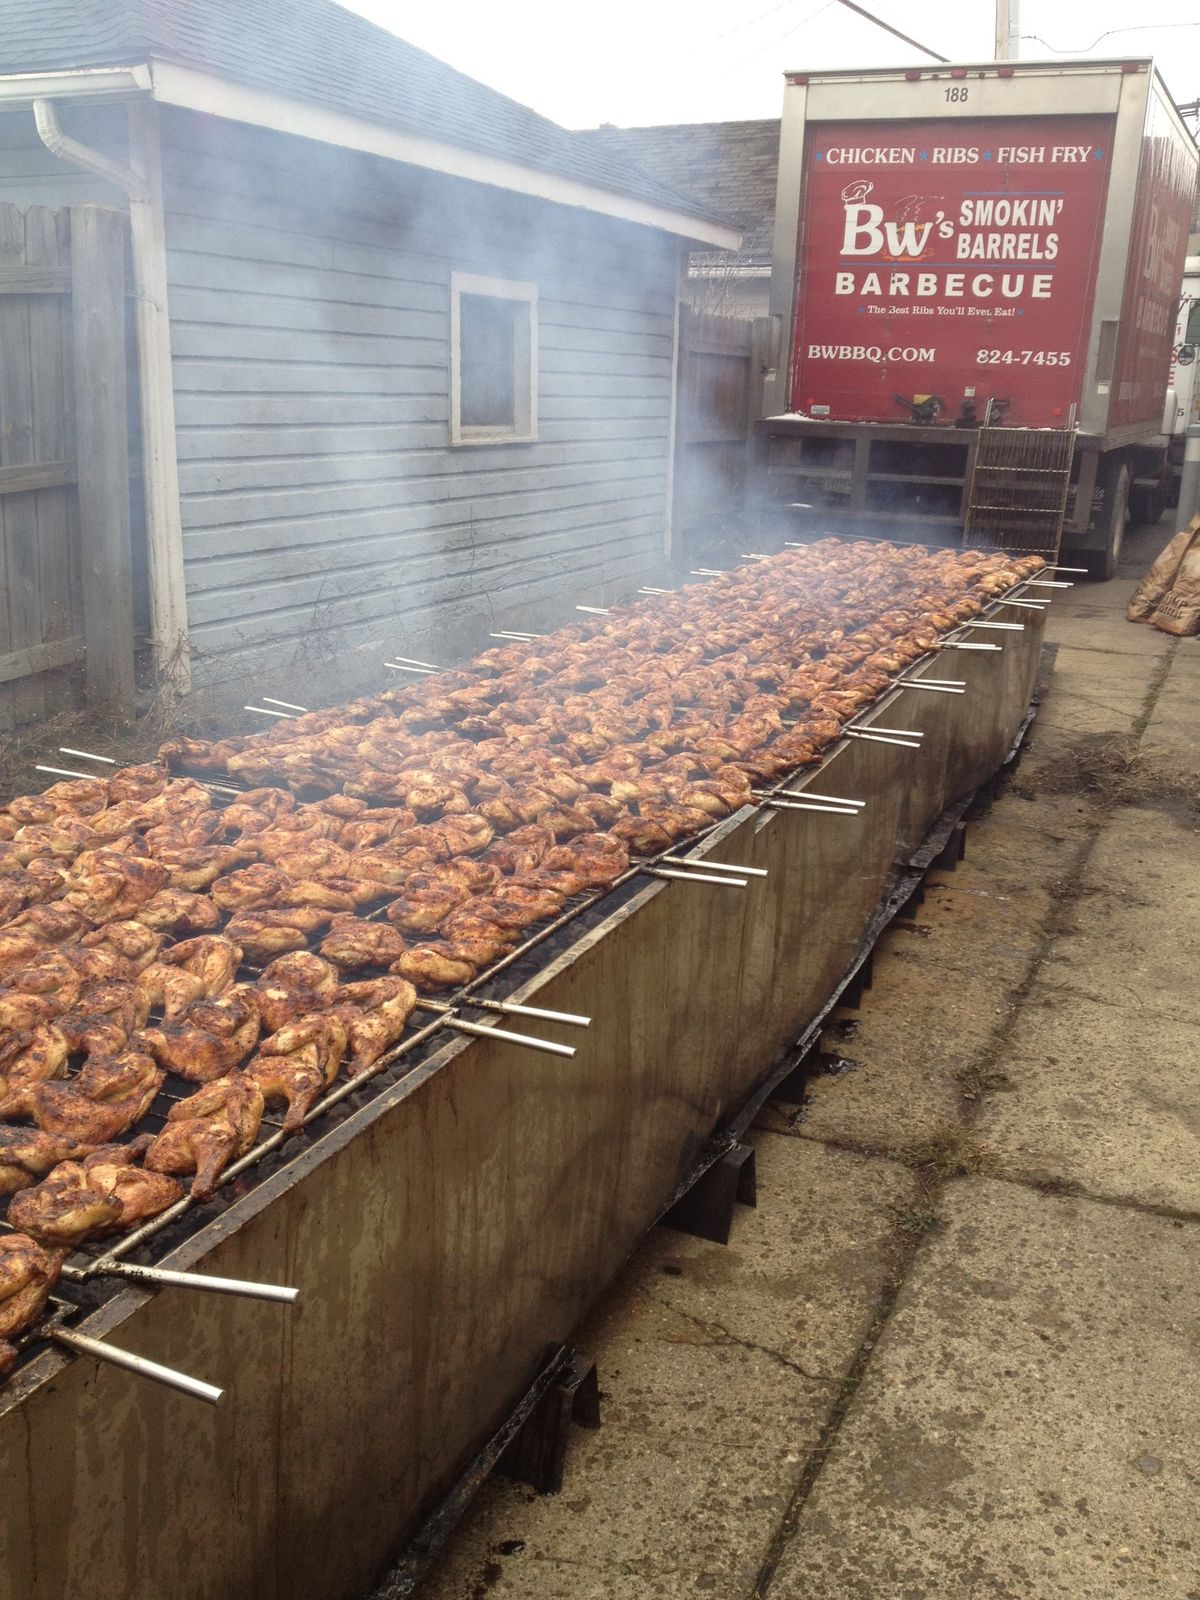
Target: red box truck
967	247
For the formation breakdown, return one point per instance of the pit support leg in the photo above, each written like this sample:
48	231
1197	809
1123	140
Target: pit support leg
538	1454
706	1210
955	849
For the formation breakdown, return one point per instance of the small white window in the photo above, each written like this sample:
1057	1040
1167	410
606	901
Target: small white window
493	360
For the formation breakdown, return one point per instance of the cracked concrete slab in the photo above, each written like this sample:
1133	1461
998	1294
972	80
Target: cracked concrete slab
1030	1425
1084	704
918	1030
1125	953
1100	1096
1084	626
1028	840
1149	857
1170	734
1092	667
718	1365
969	927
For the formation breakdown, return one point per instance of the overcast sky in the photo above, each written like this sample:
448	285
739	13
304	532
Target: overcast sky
634	62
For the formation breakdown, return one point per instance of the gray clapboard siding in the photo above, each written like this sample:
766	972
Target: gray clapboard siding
444	524
298	186
392	616
222	444
287	377
310	294
200	410
429	568
371	459
416	463
438	500
240	309
256	640
221	272
267	347
270	563
426	535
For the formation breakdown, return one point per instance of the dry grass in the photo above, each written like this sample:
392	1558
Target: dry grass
128	739
1114	770
949	1152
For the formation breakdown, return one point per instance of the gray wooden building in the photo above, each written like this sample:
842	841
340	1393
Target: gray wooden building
405	350
730	169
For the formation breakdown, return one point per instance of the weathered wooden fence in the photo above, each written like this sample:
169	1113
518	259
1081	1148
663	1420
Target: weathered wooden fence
64	463
720	361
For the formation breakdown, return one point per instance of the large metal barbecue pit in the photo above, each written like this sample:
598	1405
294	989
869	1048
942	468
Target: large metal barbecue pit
503	1187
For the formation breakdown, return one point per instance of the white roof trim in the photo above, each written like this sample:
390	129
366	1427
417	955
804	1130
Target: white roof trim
219	97
75	83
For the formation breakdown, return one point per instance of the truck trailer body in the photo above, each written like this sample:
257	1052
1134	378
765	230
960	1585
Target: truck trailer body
995	244
1183	391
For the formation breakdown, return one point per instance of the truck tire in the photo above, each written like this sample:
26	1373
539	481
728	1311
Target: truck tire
1148	499
1113	482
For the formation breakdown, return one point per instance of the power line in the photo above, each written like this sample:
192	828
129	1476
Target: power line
1144	27
887	28
787	34
750	21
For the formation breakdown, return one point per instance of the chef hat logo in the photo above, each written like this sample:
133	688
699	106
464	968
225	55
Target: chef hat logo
857	192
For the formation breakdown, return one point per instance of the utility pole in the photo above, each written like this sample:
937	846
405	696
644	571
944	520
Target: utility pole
1008	29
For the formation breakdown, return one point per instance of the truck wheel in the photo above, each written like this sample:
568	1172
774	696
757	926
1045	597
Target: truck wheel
1147	502
1114	513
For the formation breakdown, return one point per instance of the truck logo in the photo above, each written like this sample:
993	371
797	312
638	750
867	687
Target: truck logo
867	234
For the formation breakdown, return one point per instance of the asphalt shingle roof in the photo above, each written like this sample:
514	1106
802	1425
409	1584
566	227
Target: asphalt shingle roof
729	168
316	51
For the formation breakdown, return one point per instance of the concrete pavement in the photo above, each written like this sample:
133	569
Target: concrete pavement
954	1352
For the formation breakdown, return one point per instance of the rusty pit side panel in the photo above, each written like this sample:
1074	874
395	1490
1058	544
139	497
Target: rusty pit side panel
445	1232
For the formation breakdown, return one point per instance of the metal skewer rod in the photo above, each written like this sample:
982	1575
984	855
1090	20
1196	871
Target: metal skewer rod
899	733
265	711
411	661
167	1277
515	638
63	772
595	611
833	799
803	805
480	1030
1005	627
1047	583
287	704
946	683
404	666
966	644
88	755
705	864
880	738
928	683
510	1008
1030	605
1052	566
83	1344
692	876
708	572
646	589
752	555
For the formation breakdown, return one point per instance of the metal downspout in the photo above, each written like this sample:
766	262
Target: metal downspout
164	535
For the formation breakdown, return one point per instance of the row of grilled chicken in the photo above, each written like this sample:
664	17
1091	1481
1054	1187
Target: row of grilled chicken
765	643
280	1040
506	788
